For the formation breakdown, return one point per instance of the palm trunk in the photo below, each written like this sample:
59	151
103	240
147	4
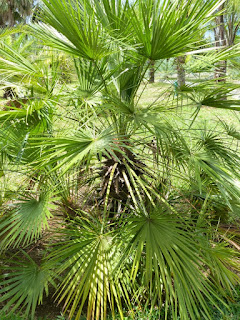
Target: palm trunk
220	39
181	74
152	71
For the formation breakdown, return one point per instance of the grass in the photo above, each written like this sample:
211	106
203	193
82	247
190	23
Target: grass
181	114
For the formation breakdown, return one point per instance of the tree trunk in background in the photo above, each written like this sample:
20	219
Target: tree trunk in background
181	74
220	40
152	71
232	24
15	11
2	24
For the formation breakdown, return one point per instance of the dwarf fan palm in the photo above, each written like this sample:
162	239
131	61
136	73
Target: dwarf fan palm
137	191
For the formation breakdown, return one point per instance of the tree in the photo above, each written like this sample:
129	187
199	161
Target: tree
227	26
125	237
232	21
13	11
220	38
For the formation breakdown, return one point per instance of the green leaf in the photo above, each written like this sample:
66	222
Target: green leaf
84	145
71	26
23	285
26	222
165	260
165	29
89	256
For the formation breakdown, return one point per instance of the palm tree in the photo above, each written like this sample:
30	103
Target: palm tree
111	166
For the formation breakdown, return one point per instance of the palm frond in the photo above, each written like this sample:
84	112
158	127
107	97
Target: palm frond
222	260
114	15
213	95
24	285
89	254
165	29
84	145
5	32
163	250
14	63
209	62
227	183
231	130
26	222
73	28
